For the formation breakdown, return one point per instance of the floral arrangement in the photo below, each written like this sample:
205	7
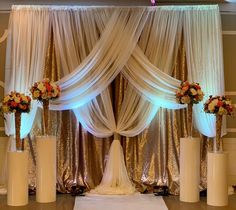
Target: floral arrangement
220	105
16	102
45	90
189	93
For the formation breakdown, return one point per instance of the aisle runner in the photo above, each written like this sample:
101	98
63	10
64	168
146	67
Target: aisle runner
120	202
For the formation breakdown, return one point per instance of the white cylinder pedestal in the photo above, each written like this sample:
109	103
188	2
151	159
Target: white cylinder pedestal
46	169
17	183
217	182
189	169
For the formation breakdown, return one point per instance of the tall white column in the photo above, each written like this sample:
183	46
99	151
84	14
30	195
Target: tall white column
17	183
189	169
46	169
217	182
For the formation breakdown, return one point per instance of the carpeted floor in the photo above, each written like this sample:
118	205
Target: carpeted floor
136	201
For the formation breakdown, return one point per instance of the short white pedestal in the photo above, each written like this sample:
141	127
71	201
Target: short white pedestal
17	183
189	169
46	169
217	183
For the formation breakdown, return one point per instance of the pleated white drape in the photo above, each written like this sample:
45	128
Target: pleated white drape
203	43
25	58
94	44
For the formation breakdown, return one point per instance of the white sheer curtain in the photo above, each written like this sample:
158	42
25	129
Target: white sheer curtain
97	116
28	35
93	45
203	43
115	179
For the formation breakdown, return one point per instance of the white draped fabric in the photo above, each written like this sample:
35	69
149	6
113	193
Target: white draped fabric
204	59
115	179
26	52
104	62
93	45
156	86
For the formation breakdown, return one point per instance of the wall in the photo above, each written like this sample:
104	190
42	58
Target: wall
228	14
229	47
3	25
3	140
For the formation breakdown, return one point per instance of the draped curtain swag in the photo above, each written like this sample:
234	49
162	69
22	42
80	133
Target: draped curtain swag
94	44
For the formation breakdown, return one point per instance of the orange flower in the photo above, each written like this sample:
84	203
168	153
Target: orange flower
185	88
220	103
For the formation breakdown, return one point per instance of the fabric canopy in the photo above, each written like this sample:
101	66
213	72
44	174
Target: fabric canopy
94	44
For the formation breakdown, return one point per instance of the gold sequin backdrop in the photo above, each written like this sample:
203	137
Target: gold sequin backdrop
152	157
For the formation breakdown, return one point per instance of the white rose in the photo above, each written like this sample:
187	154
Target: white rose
215	102
193	91
211	107
41	87
228	102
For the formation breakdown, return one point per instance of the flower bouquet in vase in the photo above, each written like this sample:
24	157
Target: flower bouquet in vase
189	93
218	105
17	170
44	91
16	103
217	161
